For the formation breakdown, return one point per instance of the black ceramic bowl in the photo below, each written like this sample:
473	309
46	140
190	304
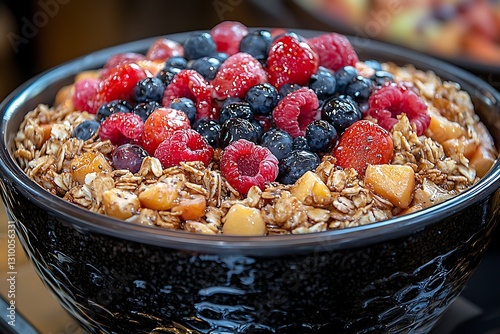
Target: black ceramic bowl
394	276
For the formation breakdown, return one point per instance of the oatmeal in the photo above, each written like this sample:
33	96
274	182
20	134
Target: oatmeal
297	137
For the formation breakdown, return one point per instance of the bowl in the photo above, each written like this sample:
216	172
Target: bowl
396	276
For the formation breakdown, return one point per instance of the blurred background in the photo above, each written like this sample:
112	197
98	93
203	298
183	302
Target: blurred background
37	35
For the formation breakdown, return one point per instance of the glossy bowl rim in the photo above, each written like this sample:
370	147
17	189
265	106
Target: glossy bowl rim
281	244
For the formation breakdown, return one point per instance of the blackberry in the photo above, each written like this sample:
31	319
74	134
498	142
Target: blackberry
206	66
359	89
112	107
86	129
300	144
145	109
235	110
149	89
208	129
380	78
185	105
323	83
237	128
257	44
344	76
292	167
321	136
341	112
262	98
279	142
199	44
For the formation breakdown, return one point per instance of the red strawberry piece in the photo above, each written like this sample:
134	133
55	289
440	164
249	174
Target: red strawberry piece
183	146
121	128
334	51
119	83
164	48
84	95
363	143
386	103
191	84
227	36
237	75
245	164
296	111
290	62
160	124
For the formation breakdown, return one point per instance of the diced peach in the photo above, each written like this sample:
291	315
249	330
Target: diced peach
482	160
460	145
191	207
394	182
46	128
159	196
121	204
441	129
89	162
430	194
243	220
64	96
310	188
151	66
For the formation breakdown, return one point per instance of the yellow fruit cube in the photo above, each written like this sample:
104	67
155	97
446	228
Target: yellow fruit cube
394	182
441	129
243	220
89	162
309	189
121	204
191	207
482	160
159	196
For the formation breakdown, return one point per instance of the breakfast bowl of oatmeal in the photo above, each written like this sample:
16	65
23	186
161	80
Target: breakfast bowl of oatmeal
242	180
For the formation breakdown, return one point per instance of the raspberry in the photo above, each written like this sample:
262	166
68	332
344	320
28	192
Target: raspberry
334	51
393	99
164	48
245	164
290	62
121	128
84	96
227	36
120	82
237	75
120	58
182	146
296	111
361	144
191	84
160	124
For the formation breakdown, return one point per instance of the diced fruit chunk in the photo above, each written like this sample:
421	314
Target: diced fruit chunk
160	196
191	207
394	182
121	204
482	160
310	189
89	162
441	129
245	221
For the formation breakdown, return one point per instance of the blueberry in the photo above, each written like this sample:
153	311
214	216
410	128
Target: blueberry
323	83
380	78
237	128
86	129
256	43
279	142
112	107
262	98
341	112
300	143
167	74
375	64
185	105
149	89
321	136
176	62
287	89
229	100
206	66
145	109
235	110
292	167
128	156
344	76
359	89
208	129
199	44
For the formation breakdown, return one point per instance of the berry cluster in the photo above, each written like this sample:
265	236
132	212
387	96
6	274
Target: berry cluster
273	103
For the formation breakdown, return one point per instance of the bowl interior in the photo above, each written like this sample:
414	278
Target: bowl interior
43	88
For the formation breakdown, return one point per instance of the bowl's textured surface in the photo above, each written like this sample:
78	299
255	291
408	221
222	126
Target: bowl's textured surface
396	276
